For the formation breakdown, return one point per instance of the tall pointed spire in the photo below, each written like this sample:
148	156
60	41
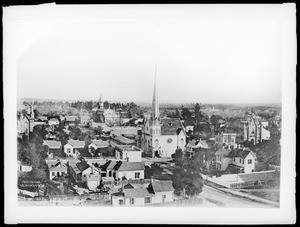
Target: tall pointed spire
155	105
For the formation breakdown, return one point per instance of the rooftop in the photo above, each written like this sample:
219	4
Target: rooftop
129	166
124	140
258	176
162	186
170	126
76	143
52	144
100	143
137	193
242	153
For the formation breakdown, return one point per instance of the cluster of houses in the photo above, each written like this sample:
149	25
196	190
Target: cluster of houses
158	137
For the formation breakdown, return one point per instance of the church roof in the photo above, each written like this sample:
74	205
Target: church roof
170	126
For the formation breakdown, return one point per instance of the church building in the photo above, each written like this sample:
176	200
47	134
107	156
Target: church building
161	137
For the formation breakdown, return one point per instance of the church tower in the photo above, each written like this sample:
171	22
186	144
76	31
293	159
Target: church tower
155	126
100	104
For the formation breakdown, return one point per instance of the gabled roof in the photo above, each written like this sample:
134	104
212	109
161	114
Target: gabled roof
109	165
171	126
197	144
76	143
52	144
59	167
129	166
100	143
241	153
137	193
82	166
162	186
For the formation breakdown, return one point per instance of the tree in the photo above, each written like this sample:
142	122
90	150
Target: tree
186	174
178	157
153	171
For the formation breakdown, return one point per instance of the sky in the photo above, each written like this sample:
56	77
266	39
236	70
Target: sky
206	61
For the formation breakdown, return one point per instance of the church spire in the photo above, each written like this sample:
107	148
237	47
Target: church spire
155	105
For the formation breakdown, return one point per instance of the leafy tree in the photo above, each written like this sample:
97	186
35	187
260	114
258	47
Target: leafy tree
186	174
153	171
178	157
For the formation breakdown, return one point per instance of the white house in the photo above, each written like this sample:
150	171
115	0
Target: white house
72	148
222	159
53	121
82	172
128	170
193	144
156	192
244	158
128	153
93	181
53	146
97	144
239	160
226	138
56	168
22	167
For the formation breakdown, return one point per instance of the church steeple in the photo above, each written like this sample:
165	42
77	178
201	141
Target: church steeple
100	104
155	105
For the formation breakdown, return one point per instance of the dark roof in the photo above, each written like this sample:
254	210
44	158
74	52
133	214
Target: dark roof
233	169
82	166
109	165
128	186
170	126
162	186
129	166
242	153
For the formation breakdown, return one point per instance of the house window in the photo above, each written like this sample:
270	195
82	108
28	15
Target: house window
109	173
164	198
147	199
249	161
240	160
121	202
68	150
243	161
137	175
53	174
131	200
156	143
182	142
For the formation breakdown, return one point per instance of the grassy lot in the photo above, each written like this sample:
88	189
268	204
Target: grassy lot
269	194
